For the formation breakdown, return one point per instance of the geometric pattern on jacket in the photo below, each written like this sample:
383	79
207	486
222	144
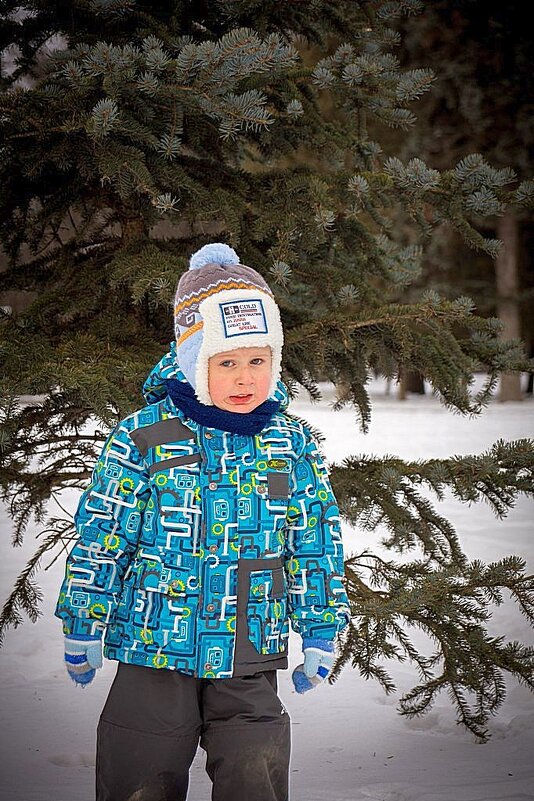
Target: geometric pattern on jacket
196	547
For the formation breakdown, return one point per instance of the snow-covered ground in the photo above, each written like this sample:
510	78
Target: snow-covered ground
349	742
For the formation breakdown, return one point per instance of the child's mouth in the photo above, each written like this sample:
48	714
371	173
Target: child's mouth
241	399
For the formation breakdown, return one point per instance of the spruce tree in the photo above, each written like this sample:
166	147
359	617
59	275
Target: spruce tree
151	129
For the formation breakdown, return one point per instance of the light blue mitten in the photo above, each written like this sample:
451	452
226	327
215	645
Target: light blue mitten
83	656
317	666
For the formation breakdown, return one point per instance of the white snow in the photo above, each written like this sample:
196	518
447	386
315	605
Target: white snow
349	742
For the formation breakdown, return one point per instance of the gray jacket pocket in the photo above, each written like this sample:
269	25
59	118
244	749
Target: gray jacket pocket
278	486
262	622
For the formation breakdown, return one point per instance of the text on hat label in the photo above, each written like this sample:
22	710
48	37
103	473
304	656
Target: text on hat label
243	317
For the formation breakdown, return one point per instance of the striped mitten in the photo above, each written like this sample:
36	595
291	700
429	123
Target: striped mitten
317	666
83	656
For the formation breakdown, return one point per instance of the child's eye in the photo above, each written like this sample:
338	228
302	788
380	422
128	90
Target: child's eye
226	363
257	360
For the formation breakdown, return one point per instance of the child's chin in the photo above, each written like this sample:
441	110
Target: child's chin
242	408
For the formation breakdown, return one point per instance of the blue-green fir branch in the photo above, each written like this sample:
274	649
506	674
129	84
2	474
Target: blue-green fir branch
393	10
524	194
112	8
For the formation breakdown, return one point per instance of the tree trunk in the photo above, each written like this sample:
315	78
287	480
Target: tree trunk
507	277
132	228
342	391
410	381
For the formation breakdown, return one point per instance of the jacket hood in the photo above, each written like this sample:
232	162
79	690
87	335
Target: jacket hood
154	388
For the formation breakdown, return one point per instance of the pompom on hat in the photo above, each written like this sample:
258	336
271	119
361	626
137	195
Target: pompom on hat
222	305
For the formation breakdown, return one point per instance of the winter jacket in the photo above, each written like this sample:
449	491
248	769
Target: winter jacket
197	546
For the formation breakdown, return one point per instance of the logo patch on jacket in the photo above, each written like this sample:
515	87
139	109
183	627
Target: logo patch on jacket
277	464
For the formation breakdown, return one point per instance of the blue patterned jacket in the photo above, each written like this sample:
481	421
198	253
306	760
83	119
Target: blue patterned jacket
197	547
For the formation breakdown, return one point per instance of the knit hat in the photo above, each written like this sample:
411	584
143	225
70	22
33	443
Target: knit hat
222	305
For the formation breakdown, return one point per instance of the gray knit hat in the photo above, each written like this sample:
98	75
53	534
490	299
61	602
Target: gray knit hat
222	305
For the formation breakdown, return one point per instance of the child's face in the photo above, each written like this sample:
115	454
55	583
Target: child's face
239	380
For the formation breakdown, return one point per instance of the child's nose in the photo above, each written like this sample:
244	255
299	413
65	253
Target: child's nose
245	376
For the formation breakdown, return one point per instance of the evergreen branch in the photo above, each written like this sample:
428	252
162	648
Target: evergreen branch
26	595
368	485
451	606
423	336
390	315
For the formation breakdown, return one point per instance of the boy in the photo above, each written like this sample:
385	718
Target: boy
209	523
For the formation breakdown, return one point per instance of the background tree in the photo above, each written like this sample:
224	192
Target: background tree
482	101
154	128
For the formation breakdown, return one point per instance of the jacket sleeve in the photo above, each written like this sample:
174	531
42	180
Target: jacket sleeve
318	604
108	521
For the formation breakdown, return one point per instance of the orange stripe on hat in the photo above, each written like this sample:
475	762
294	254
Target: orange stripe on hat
218	288
189	331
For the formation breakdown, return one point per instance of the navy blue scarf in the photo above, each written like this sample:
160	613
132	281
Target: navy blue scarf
183	396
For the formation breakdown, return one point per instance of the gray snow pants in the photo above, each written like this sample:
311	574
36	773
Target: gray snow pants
153	721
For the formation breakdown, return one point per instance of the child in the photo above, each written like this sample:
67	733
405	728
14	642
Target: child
208	525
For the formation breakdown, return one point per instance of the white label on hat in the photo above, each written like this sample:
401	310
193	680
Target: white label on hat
243	317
